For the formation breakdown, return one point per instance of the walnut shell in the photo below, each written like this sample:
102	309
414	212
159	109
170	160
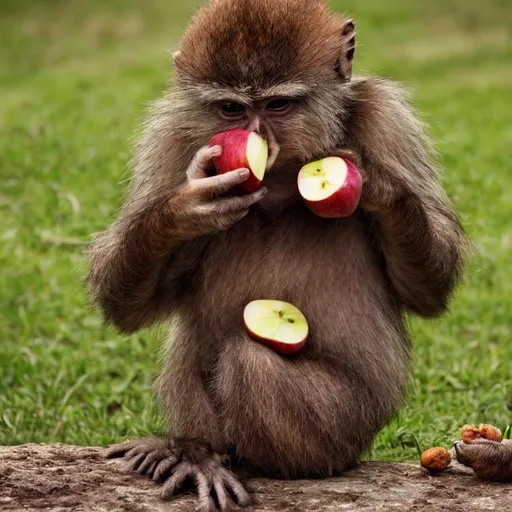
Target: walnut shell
435	459
469	433
490	432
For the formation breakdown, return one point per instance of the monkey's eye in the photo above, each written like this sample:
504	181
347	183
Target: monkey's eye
232	109
279	105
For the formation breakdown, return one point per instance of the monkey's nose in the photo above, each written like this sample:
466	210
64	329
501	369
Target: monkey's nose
254	125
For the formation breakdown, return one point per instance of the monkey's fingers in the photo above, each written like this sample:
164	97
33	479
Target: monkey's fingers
204	487
164	468
183	471
133	463
239	203
198	167
120	449
223	497
220	184
151	471
148	465
231	481
225	221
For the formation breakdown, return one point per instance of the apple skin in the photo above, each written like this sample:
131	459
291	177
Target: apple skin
234	145
285	349
344	201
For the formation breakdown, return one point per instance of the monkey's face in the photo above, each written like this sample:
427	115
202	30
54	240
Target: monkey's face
278	67
304	123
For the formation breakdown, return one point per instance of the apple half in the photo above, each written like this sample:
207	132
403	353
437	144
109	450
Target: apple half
242	149
331	187
277	324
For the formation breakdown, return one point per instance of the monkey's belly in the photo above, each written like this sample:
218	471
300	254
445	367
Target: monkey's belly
326	269
318	410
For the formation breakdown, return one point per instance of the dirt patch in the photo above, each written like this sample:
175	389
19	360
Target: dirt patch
61	478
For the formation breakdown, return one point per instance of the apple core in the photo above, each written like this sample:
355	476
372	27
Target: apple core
322	178
278	324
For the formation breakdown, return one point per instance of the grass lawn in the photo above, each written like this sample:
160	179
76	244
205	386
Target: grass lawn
75	77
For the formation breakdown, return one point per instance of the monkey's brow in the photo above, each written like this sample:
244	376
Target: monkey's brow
290	90
246	95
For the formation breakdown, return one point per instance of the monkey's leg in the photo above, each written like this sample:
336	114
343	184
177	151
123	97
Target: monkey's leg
300	417
490	460
196	443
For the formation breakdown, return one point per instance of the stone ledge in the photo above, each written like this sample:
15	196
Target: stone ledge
58	478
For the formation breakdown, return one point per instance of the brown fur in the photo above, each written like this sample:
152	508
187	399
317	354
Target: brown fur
228	43
353	278
490	460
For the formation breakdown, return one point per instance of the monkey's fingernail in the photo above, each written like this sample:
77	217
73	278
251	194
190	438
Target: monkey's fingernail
217	150
264	191
244	173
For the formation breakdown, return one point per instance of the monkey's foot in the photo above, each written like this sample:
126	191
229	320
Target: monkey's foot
151	457
490	460
208	475
183	461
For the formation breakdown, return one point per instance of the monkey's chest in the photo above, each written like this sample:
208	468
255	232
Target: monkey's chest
325	268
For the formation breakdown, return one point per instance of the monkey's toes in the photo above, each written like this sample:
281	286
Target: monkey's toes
150	457
209	475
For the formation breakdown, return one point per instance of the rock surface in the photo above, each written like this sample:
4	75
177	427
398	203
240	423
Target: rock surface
70	478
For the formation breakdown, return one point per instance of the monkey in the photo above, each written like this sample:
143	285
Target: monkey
490	460
189	252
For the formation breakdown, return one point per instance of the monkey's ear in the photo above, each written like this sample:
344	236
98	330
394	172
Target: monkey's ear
344	65
176	57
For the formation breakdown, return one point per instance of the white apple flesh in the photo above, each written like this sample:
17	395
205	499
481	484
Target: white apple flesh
279	325
331	187
242	149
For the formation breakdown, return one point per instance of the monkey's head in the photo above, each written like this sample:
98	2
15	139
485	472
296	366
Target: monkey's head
272	66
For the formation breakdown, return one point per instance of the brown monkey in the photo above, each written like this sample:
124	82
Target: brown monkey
187	250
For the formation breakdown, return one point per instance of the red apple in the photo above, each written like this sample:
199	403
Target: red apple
277	324
331	187
242	149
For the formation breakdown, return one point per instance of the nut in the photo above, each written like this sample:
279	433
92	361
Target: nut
469	433
490	432
435	459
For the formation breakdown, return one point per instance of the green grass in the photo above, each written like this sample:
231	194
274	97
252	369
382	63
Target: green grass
74	81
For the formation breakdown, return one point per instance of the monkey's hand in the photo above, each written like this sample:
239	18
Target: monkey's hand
379	191
200	207
490	460
181	461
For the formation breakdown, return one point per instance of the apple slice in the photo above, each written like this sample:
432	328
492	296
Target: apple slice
331	187
242	149
278	324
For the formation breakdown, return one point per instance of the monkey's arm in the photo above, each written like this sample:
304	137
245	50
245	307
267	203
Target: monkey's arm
138	266
421	238
149	256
